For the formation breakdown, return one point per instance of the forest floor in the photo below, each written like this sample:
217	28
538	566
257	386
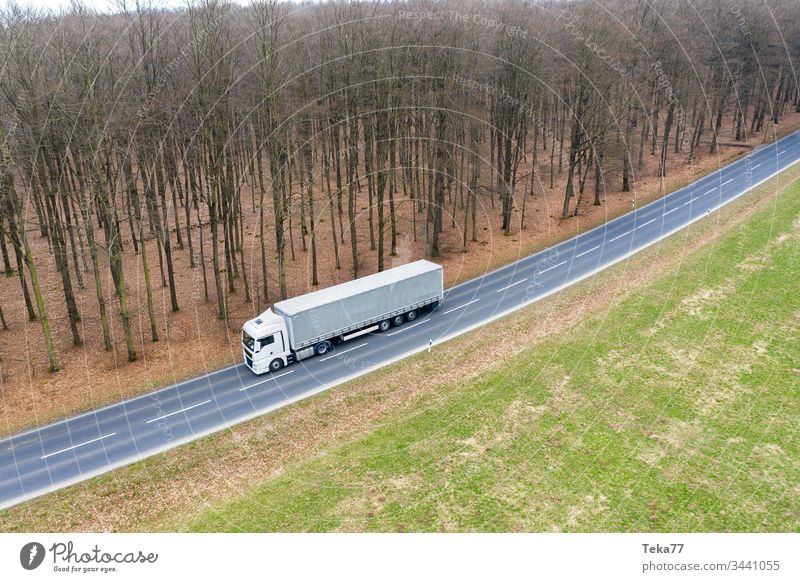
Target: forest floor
659	395
193	342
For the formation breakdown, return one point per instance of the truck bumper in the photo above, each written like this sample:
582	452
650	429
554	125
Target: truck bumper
255	366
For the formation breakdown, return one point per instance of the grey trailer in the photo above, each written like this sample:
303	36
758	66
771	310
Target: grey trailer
337	311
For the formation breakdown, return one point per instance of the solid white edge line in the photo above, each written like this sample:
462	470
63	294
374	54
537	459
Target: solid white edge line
359	373
510	286
265	381
460	306
343	352
587	252
105	436
406	327
162	417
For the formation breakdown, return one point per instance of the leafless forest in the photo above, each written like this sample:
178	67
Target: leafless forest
236	140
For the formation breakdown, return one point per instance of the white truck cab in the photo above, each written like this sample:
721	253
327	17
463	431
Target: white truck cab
264	340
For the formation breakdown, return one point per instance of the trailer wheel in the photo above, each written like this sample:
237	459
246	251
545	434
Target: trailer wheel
411	315
275	365
384	325
322	348
434	305
398	320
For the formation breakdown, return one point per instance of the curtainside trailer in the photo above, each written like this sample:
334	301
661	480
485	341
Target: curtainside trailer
314	323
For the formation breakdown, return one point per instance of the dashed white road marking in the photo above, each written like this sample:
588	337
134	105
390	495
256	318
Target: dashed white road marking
512	285
105	436
646	223
689	201
407	327
178	411
709	192
461	306
670	211
620	236
587	252
781	152
726	182
344	352
757	165
552	267
265	381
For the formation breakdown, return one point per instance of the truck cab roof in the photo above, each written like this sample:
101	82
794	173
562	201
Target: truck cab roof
263	324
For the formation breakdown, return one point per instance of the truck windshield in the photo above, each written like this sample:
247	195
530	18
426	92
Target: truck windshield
248	341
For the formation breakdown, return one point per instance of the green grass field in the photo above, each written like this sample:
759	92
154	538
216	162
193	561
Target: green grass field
677	410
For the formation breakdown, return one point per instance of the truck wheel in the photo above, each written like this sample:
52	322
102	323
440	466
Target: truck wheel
411	315
322	348
384	325
275	365
398	320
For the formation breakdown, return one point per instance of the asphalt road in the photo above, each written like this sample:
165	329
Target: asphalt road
51	457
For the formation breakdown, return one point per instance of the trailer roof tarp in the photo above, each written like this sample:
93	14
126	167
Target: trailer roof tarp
357	286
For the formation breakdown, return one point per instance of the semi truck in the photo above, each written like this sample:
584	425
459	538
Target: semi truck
314	323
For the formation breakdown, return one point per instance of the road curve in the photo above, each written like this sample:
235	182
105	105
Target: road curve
50	457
